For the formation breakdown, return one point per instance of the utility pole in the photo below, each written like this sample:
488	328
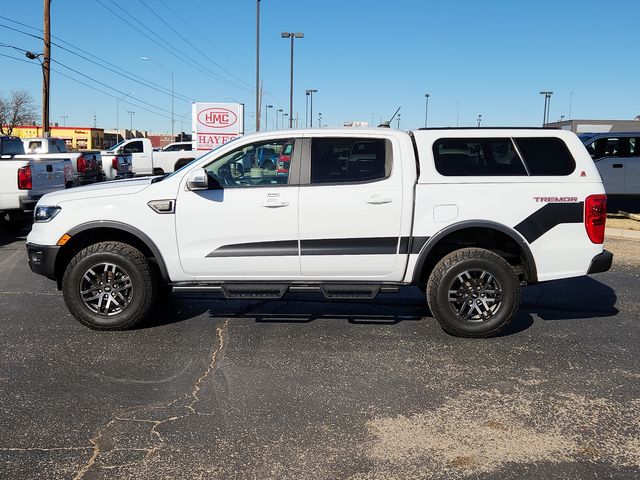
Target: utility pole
257	65
46	64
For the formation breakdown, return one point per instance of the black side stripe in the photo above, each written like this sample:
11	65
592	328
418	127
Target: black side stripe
331	246
350	246
552	214
260	249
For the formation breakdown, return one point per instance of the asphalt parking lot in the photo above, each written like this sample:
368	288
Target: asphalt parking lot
304	388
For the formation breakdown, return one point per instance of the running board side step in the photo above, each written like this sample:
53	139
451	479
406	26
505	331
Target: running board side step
350	291
258	291
278	290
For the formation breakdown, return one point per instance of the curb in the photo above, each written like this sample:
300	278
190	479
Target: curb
622	233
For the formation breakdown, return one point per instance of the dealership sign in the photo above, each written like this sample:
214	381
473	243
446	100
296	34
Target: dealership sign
216	123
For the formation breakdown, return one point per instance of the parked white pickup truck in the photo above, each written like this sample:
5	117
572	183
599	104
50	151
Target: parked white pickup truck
148	162
468	215
25	178
87	165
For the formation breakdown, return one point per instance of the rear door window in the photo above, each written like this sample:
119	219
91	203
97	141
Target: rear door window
349	160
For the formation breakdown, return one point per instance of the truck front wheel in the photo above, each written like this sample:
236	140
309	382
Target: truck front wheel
473	292
109	286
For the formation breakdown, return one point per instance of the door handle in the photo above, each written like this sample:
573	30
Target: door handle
618	165
379	200
275	204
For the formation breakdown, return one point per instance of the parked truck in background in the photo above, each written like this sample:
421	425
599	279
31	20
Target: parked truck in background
146	161
25	178
87	165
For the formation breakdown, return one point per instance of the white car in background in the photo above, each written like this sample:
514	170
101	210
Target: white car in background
617	157
146	161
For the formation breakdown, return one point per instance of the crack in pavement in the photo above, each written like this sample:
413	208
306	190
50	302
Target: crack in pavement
190	398
42	449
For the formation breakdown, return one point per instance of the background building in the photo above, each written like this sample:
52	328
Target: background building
597	126
76	138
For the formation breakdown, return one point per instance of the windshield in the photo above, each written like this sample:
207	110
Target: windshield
114	147
584	137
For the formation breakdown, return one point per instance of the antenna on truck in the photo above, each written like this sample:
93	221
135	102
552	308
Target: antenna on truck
387	123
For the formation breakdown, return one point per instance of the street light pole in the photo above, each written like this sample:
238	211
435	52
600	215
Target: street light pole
173	122
118	114
310	93
306	110
278	112
319	120
292	36
266	117
131	114
398	121
547	105
283	119
258	67
64	120
479	119
426	109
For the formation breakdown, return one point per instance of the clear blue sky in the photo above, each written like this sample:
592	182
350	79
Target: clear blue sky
365	58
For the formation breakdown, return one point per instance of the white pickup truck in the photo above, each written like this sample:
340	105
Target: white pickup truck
468	215
146	161
25	178
87	165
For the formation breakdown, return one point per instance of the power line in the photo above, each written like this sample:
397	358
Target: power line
107	65
177	15
130	102
195	47
170	49
19	31
146	83
105	85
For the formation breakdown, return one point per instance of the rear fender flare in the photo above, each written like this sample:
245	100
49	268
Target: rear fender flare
433	242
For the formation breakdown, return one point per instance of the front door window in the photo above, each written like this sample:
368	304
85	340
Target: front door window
263	164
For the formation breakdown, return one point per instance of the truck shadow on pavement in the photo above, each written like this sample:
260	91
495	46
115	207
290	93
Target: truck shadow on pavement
14	232
572	299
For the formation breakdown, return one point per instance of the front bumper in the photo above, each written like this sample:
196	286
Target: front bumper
42	259
601	262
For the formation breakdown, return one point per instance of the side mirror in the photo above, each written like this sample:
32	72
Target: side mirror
198	180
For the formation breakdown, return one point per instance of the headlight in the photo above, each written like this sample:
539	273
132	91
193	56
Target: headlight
45	214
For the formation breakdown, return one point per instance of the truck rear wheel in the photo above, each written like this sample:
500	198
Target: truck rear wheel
109	286
473	292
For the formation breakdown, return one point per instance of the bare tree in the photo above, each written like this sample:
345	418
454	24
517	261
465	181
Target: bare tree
18	109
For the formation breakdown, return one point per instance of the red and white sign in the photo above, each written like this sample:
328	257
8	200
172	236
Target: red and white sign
216	123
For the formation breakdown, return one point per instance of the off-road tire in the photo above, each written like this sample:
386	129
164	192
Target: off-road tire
444	275
144	285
